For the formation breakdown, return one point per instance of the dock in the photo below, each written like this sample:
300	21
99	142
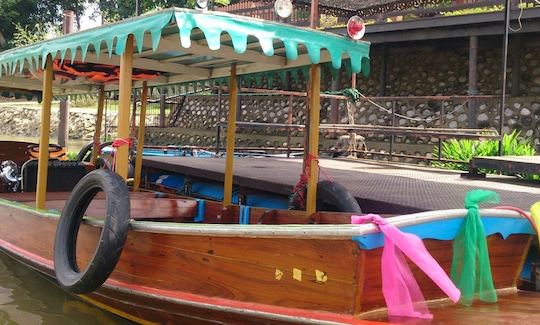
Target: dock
379	187
528	165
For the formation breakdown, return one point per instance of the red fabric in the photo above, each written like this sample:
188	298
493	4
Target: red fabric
118	142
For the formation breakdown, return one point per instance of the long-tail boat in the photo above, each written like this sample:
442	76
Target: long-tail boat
162	258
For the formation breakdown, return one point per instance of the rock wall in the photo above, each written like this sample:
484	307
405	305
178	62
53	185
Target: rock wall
19	121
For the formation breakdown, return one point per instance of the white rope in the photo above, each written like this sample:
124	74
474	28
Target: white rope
417	119
519	17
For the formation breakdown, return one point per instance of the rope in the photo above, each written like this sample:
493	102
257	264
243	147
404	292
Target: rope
297	195
417	119
117	143
297	198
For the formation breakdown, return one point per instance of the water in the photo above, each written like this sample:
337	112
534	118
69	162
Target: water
72	145
27	297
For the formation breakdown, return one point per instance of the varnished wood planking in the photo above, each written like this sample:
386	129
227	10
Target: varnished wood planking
153	251
177	264
505	256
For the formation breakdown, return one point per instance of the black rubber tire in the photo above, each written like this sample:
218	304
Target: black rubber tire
334	194
83	154
113	234
337	195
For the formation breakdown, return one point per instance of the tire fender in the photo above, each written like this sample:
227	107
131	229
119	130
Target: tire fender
112	238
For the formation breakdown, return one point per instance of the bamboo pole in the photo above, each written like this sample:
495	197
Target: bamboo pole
312	160
124	100
231	129
140	138
97	133
43	162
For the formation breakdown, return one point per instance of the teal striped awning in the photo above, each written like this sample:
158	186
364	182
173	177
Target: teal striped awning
185	45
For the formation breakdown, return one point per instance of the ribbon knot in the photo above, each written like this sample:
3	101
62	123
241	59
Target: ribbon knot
400	290
471	269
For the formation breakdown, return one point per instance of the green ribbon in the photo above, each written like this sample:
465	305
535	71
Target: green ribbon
471	269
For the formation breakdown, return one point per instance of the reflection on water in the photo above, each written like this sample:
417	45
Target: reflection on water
72	145
27	297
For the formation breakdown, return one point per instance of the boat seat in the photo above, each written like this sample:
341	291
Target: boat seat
62	175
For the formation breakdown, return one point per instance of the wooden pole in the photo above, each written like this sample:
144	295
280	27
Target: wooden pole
124	100
218	124
162	100
231	130
43	162
314	108
63	116
97	133
516	66
133	131
503	71
140	138
473	77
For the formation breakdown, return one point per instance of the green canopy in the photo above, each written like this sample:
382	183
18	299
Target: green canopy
185	45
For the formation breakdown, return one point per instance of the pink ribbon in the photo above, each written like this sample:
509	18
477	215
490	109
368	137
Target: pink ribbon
400	289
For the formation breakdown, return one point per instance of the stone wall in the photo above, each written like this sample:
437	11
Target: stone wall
19	121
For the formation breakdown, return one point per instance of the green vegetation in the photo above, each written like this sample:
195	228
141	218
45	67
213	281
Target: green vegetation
72	156
27	21
465	150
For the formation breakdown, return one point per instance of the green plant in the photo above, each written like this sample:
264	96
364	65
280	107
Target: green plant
465	149
72	156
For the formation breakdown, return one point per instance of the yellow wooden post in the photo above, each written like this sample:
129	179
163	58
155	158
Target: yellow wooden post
124	101
97	133
43	162
231	130
140	138
314	108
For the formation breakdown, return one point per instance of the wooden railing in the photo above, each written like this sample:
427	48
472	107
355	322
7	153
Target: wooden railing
449	8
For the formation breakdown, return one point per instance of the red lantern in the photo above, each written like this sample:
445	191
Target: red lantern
356	28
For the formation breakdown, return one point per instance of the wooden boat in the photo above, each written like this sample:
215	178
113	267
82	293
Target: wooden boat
154	257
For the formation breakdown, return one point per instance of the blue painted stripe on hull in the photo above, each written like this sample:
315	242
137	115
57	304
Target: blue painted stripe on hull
447	230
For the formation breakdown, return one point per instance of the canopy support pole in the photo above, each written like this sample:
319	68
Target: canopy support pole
140	137
231	136
43	162
312	160
124	101
97	133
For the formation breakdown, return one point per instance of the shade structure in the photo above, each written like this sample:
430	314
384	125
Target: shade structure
182	45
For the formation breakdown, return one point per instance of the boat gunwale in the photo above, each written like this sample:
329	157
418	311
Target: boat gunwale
304	231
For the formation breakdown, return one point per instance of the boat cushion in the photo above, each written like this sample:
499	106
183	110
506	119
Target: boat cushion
62	176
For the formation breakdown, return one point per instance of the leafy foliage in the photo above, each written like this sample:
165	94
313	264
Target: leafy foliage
113	10
30	34
466	149
30	20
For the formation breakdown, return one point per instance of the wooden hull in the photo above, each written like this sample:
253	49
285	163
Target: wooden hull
201	277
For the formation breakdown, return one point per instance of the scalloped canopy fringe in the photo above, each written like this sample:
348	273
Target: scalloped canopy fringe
114	37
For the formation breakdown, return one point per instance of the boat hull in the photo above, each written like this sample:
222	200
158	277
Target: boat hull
237	277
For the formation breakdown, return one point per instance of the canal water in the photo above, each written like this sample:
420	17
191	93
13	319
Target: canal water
28	298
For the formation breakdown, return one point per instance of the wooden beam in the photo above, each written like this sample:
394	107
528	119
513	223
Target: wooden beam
302	60
314	108
124	100
225	52
231	130
43	162
140	138
149	64
96	148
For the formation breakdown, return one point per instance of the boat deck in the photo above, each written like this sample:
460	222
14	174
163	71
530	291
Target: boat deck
508	164
379	187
